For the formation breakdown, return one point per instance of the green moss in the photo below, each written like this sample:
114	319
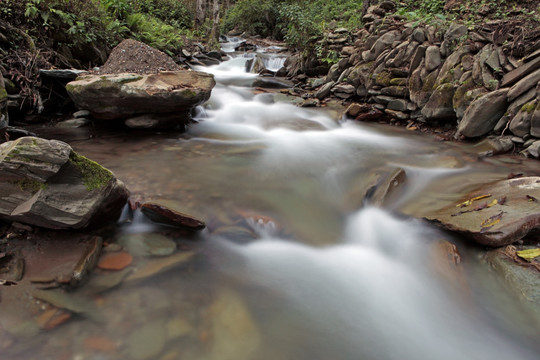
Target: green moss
383	78
3	94
398	81
529	107
30	185
94	175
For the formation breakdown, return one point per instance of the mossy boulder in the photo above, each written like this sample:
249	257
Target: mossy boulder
45	183
439	105
118	96
483	114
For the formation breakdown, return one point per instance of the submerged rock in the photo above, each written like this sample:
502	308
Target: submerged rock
495	215
45	183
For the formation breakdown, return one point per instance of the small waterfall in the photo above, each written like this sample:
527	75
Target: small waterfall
368	297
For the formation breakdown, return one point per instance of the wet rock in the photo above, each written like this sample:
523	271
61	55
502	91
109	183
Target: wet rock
419	35
146	342
163	215
535	121
147	244
117	96
159	266
234	334
115	261
45	183
104	282
64	300
517	273
159	121
87	261
496	214
483	114
494	145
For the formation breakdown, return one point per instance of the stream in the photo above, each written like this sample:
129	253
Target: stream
297	262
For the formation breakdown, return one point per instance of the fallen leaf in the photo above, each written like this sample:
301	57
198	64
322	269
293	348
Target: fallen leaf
470	201
493	203
529	254
491	221
531	198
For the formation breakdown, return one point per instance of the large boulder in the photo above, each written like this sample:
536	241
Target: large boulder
483	114
45	183
117	96
497	214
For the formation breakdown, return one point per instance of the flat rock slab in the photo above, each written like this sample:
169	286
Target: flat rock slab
495	215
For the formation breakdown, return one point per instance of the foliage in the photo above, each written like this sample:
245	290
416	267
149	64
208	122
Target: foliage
155	32
300	23
56	24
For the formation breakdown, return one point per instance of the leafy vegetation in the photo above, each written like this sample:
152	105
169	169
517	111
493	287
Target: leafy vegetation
300	23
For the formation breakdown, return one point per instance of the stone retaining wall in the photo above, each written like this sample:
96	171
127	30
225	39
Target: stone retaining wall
434	74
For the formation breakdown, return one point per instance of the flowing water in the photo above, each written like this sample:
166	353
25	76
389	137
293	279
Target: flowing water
297	262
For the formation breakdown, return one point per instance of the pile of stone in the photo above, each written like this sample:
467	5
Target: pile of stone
430	74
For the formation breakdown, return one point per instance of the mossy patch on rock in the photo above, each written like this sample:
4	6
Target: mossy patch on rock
3	94
30	185
529	107
94	175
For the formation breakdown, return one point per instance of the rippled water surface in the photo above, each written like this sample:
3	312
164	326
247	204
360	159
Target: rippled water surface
296	262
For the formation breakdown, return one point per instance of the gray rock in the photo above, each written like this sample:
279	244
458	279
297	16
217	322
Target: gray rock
533	149
333	73
523	85
397	114
158	121
81	114
147	244
433	58
417	58
514	107
520	124
318	82
520	72
419	35
483	114
535	121
455	31
45	183
123	95
397	91
440	104
70	74
343	90
324	91
398	104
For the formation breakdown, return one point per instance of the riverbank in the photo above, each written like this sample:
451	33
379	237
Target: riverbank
470	81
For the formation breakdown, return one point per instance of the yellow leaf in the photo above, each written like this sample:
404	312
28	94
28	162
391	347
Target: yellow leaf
494	202
529	254
470	201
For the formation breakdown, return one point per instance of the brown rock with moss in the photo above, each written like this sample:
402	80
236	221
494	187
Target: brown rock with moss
45	183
